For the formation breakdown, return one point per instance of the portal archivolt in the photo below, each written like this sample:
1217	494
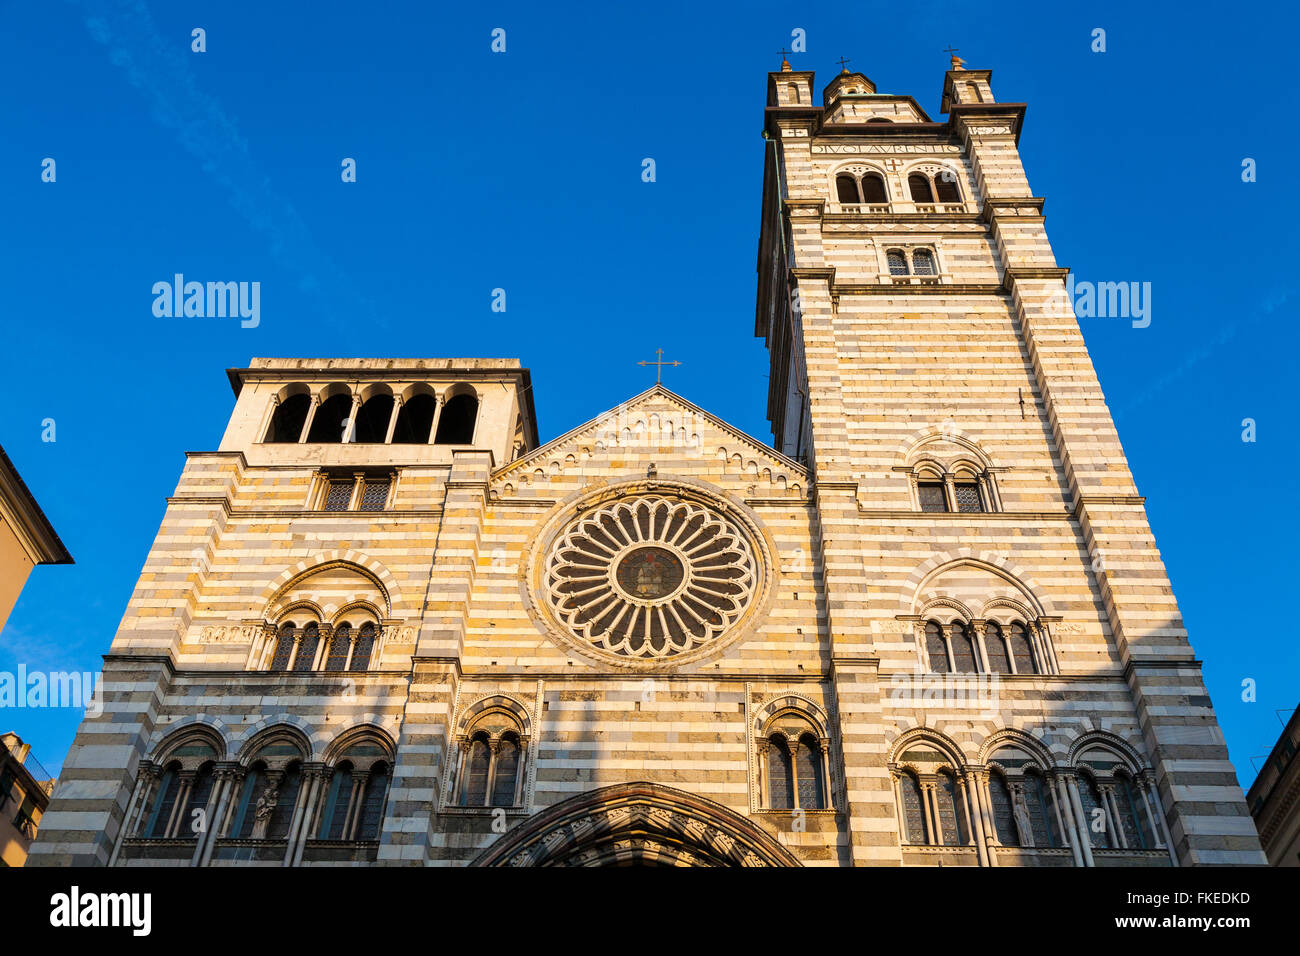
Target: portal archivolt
637	824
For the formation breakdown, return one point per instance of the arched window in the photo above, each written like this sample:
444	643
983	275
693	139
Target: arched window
996	649
372	807
1132	814
493	755
780	774
328	424
923	263
338	802
951	810
1095	816
288	419
479	759
1004	818
256	785
793	90
897	262
505	775
1022	651
362	649
285	803
933	496
1042	810
966	489
415	420
353	807
340	645
306	648
873	189
919	186
973	93
936	649
174	805
169	788
372	420
456	427
963	652
283	648
880	119
808	771
945	185
200	794
846	188
913	810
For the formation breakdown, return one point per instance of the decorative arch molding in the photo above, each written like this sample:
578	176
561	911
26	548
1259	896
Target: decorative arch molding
945	610
366	566
1014	575
937	739
787	703
914	448
209	728
637	823
369	729
298	729
1010	737
300	607
504	703
1005	610
1125	751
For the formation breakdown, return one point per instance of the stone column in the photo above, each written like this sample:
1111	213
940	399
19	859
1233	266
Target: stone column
1070	830
1081	819
228	779
311	417
392	420
300	828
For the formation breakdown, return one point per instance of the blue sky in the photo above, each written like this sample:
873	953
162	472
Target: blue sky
521	170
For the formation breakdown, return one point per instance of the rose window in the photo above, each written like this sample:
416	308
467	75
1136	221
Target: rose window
650	577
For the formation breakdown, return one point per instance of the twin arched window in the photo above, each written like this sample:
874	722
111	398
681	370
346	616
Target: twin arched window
1024	810
794	767
928	189
920	263
354	800
181	797
935	813
492	758
959	648
304	648
869	188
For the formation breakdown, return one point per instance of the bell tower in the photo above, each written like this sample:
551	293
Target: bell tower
928	370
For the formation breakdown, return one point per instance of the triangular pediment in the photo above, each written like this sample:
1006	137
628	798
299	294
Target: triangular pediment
662	427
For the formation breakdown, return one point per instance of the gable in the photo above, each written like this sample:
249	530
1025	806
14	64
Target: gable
661	429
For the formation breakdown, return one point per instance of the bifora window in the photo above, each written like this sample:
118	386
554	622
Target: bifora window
647	578
355	492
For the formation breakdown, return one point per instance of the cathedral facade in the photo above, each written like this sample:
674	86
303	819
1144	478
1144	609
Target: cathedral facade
383	625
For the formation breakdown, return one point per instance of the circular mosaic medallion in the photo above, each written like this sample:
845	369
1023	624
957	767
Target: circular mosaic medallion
647	578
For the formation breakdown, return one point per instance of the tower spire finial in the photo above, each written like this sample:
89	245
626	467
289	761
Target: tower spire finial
844	65
956	62
785	63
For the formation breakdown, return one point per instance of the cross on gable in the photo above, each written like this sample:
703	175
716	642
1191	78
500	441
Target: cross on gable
659	365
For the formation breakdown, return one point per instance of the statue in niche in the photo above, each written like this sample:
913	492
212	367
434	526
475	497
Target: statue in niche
262	813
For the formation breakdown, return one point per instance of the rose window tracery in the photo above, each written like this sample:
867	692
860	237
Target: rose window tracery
650	577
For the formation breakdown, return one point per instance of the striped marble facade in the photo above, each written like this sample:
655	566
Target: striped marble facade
973	375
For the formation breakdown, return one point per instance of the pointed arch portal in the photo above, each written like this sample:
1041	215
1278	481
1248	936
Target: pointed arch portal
637	824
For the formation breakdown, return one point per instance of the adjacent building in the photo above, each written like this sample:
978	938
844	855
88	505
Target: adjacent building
26	537
25	788
1274	798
